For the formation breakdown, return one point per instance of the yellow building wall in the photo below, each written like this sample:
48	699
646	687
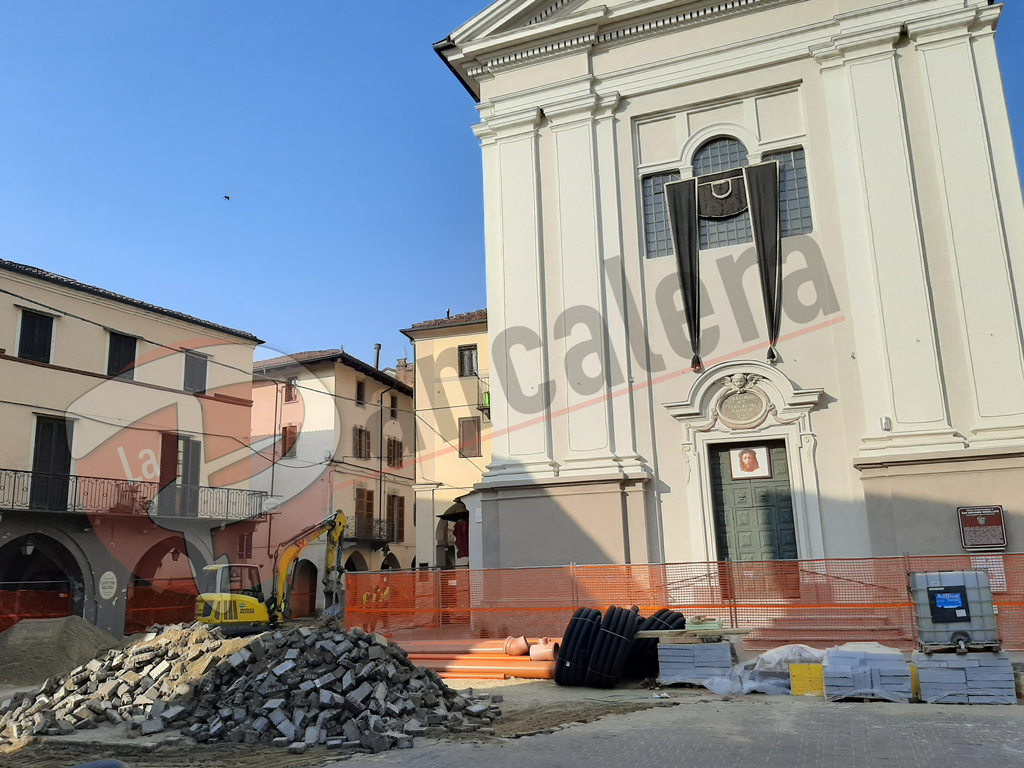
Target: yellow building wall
442	399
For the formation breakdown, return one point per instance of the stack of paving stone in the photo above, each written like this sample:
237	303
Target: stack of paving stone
866	670
972	678
297	688
693	662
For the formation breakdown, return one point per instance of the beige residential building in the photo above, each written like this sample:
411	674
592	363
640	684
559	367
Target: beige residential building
453	431
124	463
811	344
334	433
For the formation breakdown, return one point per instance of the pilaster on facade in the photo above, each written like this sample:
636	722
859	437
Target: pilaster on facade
975	220
902	381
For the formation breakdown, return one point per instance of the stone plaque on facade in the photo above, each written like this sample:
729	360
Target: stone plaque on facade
107	585
742	407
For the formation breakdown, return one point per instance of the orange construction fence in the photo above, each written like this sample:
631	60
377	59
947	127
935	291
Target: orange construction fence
815	602
162	601
18	604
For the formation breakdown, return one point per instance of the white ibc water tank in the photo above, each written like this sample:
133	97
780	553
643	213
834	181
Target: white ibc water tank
954	610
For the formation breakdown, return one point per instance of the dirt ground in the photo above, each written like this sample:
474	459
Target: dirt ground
529	707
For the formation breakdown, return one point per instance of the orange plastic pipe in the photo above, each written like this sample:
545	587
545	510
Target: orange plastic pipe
459	646
534	670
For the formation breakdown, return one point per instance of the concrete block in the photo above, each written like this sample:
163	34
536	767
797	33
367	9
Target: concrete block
285	728
942	675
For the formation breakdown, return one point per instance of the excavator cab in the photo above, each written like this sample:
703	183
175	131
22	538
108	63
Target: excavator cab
236	603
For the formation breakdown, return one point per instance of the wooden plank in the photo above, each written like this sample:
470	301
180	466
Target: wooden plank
654	634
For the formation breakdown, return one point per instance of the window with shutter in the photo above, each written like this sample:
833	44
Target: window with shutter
289	437
400	517
36	336
121	356
291	391
195	373
469	437
360	443
394	407
398	453
360	393
364	504
468	360
245	546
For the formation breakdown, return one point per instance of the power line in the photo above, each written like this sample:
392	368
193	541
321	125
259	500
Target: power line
154	428
249	374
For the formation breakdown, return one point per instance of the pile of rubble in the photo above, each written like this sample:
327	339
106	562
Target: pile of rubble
295	688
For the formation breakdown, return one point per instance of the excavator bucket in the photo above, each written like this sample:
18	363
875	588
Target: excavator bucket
334	594
336	607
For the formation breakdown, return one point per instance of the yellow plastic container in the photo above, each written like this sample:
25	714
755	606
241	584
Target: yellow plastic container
807	679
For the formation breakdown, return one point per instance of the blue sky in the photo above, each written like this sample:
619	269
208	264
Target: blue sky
356	197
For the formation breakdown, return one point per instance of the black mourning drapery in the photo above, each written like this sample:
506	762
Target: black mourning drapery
763	196
718	196
681	202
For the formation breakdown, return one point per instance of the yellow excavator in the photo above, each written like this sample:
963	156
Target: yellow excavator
237	604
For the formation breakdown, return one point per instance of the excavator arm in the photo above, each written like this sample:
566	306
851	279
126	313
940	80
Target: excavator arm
289	551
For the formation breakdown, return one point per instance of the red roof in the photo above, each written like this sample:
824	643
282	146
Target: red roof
477	316
345	358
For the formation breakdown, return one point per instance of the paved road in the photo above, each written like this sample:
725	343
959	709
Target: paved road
752	732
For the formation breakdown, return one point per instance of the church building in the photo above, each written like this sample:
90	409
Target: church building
755	272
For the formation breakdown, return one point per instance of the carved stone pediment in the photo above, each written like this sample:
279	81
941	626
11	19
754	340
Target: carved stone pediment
743	395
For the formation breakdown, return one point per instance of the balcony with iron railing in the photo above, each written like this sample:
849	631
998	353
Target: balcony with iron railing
24	490
370	530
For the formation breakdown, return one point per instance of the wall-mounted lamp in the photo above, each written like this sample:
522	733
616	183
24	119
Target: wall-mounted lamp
28	548
175	554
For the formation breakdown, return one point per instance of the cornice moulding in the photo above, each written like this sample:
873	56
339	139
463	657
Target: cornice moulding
581	30
535	35
546	51
509	124
862	43
941	28
572	110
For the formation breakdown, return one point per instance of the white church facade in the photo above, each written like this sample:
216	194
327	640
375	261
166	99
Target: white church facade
847	406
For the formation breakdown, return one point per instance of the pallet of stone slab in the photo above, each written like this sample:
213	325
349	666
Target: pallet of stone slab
866	672
976	677
693	664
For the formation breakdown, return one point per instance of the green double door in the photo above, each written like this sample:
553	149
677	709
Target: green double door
753	516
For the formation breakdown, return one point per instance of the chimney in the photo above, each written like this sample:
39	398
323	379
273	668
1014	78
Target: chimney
376	356
405	372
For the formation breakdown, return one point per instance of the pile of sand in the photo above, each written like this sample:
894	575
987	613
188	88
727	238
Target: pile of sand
35	649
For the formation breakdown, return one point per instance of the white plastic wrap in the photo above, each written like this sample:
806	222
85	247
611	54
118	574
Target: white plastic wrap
767	673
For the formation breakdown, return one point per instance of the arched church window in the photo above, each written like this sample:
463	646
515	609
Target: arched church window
722	154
